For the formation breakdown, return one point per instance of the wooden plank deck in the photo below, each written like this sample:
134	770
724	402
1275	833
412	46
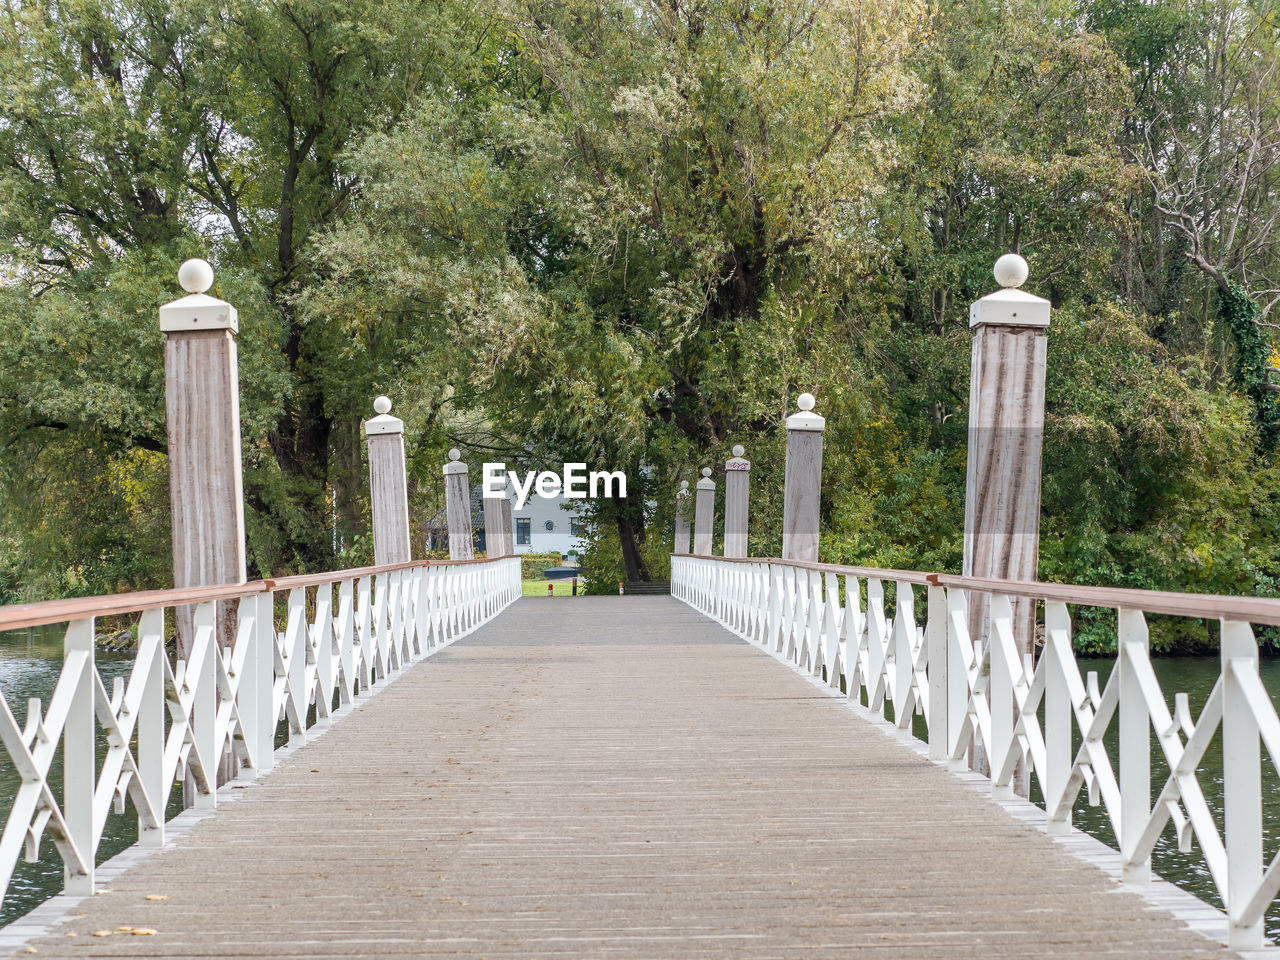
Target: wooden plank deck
614	778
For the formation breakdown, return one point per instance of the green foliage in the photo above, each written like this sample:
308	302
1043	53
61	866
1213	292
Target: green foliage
1252	357
630	234
603	567
534	566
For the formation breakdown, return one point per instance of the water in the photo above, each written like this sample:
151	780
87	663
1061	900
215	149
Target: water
1194	676
29	665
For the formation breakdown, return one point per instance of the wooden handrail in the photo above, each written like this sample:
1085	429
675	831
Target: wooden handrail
1263	610
19	616
905	576
1259	610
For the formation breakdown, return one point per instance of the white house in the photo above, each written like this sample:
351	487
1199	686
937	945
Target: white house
544	526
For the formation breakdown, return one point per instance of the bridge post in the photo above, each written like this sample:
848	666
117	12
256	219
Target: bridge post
457	499
499	539
1006	427
682	518
388	493
206	484
704	509
737	489
803	484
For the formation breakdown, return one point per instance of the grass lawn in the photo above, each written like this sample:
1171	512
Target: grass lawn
538	588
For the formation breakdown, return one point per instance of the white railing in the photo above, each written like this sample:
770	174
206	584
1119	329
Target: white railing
346	635
923	662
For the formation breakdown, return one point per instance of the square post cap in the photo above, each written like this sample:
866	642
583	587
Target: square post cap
806	419
198	311
706	483
1010	307
736	462
383	422
453	466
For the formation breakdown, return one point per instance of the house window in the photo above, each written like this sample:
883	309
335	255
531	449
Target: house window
575	527
522	531
550	525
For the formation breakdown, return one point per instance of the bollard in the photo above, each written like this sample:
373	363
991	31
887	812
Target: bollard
388	493
803	483
551	589
619	588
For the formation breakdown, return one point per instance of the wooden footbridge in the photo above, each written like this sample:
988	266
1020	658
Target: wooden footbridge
781	759
570	777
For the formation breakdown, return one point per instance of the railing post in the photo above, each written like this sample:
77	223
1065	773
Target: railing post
1135	744
261	681
737	491
959	660
682	519
938	663
1006	426
704	514
201	679
803	493
150	725
79	770
1057	717
388	493
457	495
1242	785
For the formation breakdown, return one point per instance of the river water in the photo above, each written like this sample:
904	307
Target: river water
29	665
1194	676
29	662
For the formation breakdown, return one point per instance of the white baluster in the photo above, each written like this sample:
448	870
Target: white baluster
1242	784
1135	744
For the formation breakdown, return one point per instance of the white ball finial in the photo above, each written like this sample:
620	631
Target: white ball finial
195	276
739	449
1010	270
805	402
684	484
706	471
454	454
382	405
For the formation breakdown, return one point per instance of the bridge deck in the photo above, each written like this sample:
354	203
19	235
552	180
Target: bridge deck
606	777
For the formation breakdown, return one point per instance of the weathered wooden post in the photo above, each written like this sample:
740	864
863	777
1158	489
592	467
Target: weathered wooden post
737	488
206	484
803	483
1006	428
457	499
704	508
682	518
387	490
499	539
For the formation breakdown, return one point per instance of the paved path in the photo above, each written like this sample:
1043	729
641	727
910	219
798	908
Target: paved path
606	778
